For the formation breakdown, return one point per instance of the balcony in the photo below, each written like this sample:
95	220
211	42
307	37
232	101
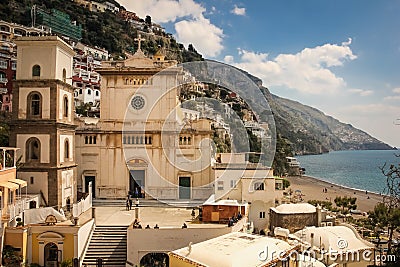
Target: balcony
13	210
3	80
3	91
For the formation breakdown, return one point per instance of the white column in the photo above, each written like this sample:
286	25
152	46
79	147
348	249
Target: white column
41	253
76	240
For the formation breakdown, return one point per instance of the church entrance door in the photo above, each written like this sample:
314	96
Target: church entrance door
184	187
137	183
89	179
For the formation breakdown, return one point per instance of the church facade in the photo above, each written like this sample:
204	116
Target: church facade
141	145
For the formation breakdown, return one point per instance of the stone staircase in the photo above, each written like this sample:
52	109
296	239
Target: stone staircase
108	243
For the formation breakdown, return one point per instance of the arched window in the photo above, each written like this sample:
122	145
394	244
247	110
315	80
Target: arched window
36	71
32	149
65	109
259	186
35	104
66	150
64	75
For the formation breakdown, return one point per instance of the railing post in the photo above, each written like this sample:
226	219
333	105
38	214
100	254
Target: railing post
4	159
75	262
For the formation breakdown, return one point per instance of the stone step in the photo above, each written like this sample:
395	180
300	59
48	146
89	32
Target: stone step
113	237
108	243
105	260
106	263
104	241
110	256
103	249
110	234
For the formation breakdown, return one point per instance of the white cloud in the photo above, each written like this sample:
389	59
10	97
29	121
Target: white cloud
396	90
205	37
392	98
361	92
228	59
190	24
307	71
240	11
164	10
395	97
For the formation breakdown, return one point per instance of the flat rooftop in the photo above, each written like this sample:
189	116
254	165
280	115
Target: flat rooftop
234	249
164	217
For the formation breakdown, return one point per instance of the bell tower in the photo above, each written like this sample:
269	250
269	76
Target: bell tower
43	122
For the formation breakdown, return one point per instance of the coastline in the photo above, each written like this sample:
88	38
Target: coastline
313	189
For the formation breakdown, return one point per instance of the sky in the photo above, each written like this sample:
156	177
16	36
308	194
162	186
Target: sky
342	57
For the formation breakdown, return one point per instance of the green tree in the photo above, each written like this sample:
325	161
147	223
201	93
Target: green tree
286	183
5	118
283	150
346	203
387	214
148	20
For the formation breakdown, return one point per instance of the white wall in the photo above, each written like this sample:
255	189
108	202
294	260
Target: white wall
143	241
83	236
67	177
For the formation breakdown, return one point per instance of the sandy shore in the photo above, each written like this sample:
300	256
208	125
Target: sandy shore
312	189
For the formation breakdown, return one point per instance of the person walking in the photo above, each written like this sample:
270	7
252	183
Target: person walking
127	204
130	203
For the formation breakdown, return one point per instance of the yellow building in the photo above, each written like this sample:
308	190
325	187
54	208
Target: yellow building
12	204
238	179
48	244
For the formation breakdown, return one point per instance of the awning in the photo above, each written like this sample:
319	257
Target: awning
9	185
20	182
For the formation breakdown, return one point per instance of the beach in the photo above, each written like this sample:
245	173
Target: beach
313	189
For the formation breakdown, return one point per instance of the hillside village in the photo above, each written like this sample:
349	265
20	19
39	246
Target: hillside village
108	159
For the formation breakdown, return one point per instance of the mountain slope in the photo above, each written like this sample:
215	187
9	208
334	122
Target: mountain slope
312	131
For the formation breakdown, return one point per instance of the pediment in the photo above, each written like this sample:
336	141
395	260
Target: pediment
139	59
50	236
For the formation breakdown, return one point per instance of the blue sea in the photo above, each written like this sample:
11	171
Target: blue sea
357	169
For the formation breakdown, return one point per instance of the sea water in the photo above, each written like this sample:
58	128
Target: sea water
359	169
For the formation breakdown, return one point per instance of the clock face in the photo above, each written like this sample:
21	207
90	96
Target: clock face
137	102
